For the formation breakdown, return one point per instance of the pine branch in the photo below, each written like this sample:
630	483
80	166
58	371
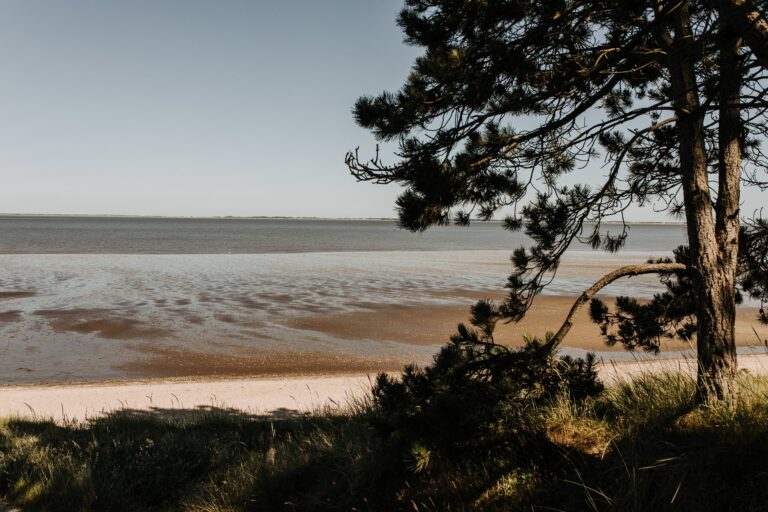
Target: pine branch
626	271
747	21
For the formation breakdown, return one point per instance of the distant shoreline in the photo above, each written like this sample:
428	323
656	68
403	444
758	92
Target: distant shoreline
175	217
273	217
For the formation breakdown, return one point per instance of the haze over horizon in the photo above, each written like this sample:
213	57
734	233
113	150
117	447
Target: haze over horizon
193	108
288	217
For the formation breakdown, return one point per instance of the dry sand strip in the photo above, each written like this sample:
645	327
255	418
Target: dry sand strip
755	364
271	397
258	396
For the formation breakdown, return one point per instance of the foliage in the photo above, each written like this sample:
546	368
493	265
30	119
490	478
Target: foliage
474	396
466	377
754	263
477	393
515	104
672	314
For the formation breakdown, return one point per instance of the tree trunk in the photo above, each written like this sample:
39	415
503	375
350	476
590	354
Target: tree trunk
727	205
712	276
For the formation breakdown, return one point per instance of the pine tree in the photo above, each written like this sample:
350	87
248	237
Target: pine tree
509	96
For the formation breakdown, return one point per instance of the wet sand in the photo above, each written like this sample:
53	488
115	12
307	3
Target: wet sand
90	318
163	362
16	294
425	326
373	338
416	324
104	323
434	324
420	325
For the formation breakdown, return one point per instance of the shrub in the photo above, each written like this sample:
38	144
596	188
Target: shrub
477	398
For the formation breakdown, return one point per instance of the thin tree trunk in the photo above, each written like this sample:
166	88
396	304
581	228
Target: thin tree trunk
709	270
718	356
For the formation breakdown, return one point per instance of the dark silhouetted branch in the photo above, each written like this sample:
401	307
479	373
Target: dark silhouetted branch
626	271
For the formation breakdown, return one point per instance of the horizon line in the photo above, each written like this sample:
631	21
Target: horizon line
271	217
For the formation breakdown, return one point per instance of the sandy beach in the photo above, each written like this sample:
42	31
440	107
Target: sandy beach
165	378
274	320
278	396
268	397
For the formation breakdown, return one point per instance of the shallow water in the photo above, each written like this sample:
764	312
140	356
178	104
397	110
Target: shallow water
83	315
100	294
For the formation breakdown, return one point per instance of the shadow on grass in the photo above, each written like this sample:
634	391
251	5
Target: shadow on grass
642	445
157	459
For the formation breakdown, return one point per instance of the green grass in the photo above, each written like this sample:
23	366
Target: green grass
640	445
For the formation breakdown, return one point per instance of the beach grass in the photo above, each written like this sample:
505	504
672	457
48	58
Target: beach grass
642	444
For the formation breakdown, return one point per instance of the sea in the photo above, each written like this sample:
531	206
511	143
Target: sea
148	235
89	298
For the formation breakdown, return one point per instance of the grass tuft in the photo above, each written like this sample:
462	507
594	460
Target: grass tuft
642	444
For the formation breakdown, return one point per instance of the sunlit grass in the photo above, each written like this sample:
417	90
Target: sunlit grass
641	445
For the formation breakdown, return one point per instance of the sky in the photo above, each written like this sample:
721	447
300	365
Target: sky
194	107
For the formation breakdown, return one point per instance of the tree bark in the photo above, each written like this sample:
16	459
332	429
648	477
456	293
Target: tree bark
720	355
710	267
626	271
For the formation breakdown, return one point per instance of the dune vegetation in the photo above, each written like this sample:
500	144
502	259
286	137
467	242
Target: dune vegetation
530	431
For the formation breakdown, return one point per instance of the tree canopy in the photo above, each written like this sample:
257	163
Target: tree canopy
565	113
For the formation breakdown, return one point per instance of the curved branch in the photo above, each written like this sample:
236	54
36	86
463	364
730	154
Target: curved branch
626	271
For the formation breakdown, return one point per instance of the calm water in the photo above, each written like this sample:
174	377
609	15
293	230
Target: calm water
92	298
122	235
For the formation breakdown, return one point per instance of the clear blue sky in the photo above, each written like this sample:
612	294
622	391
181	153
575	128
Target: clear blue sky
192	107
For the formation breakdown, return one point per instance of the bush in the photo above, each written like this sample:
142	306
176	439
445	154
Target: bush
477	399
